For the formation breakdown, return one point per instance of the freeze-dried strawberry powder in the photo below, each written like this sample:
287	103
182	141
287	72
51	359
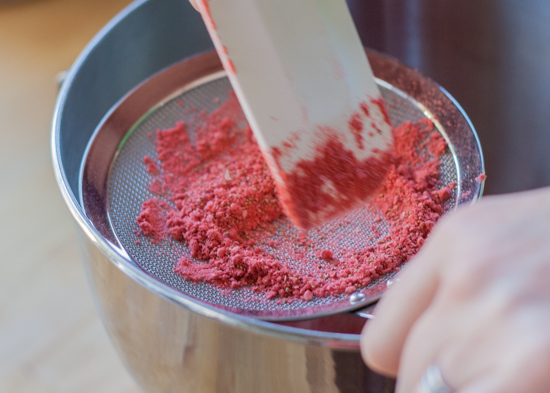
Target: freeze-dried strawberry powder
215	194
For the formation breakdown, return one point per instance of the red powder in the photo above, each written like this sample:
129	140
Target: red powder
326	254
365	108
380	103
356	126
334	181
152	219
207	16
223	199
231	66
481	178
304	193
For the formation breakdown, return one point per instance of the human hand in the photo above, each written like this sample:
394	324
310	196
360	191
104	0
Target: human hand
475	301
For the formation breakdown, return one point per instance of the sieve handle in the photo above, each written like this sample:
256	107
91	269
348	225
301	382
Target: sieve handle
366	312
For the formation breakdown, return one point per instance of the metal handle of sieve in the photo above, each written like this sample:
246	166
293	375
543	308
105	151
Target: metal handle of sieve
366	312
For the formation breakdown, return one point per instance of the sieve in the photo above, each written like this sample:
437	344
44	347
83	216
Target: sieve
113	181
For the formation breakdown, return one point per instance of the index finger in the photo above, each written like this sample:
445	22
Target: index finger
383	337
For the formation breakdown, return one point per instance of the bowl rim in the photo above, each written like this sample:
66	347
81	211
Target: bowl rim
338	340
127	267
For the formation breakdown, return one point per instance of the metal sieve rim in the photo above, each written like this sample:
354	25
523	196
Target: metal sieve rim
92	180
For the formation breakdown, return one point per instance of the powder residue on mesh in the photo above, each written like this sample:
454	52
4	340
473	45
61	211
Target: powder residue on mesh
221	201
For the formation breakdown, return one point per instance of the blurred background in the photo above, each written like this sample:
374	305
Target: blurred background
492	55
51	338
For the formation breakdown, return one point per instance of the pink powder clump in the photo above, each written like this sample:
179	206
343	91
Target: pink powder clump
152	219
481	178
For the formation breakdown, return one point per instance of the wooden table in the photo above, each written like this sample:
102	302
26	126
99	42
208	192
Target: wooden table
51	338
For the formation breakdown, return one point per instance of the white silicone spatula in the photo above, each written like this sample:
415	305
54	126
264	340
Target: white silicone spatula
308	93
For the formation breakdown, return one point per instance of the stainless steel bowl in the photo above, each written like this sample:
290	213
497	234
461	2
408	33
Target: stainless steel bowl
166	343
169	342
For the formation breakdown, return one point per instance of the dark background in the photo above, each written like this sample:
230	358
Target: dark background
493	56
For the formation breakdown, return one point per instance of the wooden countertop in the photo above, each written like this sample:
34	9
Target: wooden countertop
51	338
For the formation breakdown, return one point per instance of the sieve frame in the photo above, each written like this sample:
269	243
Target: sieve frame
183	76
